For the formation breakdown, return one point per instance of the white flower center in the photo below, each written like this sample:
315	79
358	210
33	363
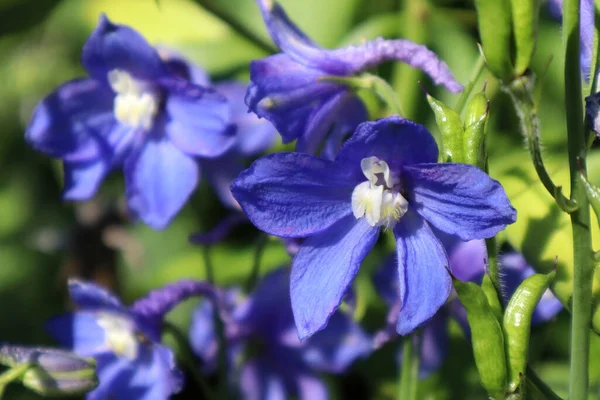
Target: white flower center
378	199
136	104
120	335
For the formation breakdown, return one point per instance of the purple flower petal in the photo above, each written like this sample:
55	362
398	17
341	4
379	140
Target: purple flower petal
424	282
220	172
386	281
354	113
586	33
458	199
259	382
254	135
311	387
198	122
113	46
89	296
288	94
80	332
74	122
203	336
159	180
434	340
83	179
393	140
113	373
467	260
336	347
179	66
323	270
155	376
352	59
294	194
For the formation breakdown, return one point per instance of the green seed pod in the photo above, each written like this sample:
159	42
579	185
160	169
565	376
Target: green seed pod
487	338
451	130
517	324
492	297
493	17
525	15
475	120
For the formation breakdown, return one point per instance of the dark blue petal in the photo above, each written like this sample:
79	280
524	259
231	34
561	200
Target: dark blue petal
74	122
354	114
434	340
258	381
294	194
386	281
220	172
198	119
254	135
114	374
323	270
424	282
179	66
336	347
80	332
394	140
514	270
586	33
156	377
113	46
310	386
203	336
458	199
90	296
288	94
467	259
83	179
159	180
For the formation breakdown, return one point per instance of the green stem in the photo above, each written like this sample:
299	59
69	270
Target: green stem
217	11
208	267
258	253
464	96
537	388
10	375
187	351
405	383
414	373
580	219
492	252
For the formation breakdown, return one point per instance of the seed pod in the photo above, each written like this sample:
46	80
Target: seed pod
493	17
517	324
475	119
51	372
451	130
487	338
525	16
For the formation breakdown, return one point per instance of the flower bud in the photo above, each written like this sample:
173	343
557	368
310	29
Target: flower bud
451	130
51	372
474	141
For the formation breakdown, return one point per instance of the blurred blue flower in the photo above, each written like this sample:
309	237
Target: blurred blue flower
125	341
467	261
586	31
385	175
289	88
276	364
133	112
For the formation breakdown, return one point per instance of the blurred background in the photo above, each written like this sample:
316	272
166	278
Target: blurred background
43	240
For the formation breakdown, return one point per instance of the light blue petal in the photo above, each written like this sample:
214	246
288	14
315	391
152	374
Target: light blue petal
80	332
323	270
425	283
82	180
259	382
89	296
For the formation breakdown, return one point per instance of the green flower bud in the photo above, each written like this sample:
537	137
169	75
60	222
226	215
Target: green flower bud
487	338
493	17
51	372
451	130
517	324
475	122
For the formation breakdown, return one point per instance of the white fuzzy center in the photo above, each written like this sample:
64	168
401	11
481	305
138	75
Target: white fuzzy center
136	104
378	199
120	335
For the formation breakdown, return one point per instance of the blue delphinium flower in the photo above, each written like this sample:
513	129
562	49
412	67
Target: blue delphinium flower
386	175
586	31
278	365
133	112
289	88
125	341
467	261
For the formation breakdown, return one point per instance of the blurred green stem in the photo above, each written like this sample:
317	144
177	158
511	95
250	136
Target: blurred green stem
10	375
215	9
405	384
187	353
414	23
261	243
208	267
580	219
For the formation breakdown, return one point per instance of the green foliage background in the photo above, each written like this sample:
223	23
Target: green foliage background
43	240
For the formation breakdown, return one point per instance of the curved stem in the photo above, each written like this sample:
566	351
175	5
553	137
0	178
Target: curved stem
580	219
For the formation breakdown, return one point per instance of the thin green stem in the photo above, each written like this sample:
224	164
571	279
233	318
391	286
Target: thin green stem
580	219
11	375
212	7
405	382
261	243
187	352
208	267
464	96
414	373
492	261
